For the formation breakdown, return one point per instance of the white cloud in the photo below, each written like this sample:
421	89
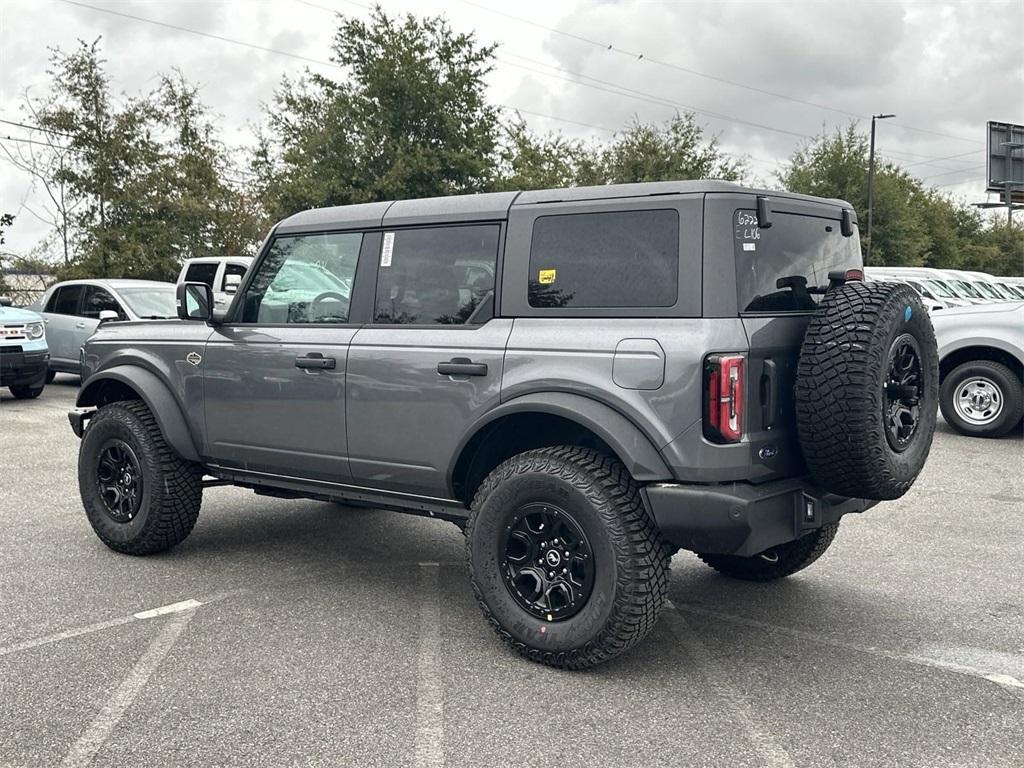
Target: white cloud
946	67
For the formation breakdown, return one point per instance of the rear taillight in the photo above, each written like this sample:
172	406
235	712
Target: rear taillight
723	398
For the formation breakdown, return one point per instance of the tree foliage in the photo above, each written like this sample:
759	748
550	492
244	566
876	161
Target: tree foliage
912	225
144	176
408	119
136	184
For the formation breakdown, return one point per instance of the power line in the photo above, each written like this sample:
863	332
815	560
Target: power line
671	65
40	143
36	128
948	173
210	35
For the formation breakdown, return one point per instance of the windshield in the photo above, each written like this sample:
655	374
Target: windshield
939	289
150	301
966	289
781	268
999	291
1015	291
987	290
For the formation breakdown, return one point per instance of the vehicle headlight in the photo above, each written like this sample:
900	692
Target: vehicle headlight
34	330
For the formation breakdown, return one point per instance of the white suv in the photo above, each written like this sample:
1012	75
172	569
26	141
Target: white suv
222	273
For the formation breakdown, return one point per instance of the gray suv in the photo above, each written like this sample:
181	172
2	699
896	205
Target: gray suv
585	380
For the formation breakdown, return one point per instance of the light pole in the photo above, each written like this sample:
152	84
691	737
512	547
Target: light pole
871	182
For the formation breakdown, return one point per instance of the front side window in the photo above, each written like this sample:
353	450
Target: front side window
615	259
65	300
437	276
304	279
150	302
201	273
99	300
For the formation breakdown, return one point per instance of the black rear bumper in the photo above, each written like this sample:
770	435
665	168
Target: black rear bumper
742	518
22	369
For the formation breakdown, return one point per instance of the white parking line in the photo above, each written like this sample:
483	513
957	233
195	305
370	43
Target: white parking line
429	744
767	746
184	605
960	663
89	743
88	629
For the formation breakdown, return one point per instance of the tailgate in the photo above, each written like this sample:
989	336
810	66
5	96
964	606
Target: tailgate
771	376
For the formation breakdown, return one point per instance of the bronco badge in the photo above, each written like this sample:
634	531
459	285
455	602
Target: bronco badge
194	358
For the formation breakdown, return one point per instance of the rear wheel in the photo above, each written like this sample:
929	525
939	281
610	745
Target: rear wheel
26	392
982	399
140	497
563	558
777	562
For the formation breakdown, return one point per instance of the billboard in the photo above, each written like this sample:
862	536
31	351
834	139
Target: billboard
1005	163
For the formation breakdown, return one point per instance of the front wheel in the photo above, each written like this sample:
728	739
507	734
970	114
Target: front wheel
565	562
777	562
982	399
139	495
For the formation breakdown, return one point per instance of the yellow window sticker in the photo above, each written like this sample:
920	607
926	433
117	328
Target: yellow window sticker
546	276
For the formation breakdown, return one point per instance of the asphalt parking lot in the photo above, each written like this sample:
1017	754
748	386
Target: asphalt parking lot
310	634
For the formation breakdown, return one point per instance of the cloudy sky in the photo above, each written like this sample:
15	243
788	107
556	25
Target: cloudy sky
762	76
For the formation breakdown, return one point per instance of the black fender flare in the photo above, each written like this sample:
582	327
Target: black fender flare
155	394
633	448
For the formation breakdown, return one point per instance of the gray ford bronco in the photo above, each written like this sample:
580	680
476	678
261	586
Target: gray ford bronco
585	380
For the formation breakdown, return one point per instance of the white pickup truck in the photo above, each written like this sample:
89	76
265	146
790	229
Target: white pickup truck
981	367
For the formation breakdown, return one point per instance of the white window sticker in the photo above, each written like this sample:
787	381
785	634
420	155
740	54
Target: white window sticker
388	249
746	247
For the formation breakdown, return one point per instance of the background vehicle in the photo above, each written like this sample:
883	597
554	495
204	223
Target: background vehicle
570	375
72	310
981	365
222	273
927	294
23	352
939	283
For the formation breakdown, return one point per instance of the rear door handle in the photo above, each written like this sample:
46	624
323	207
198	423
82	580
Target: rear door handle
462	366
316	362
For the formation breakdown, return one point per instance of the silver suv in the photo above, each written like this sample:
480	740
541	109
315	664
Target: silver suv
584	379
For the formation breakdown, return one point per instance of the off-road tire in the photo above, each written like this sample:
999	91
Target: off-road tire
841	385
777	562
631	559
1010	390
171	486
26	392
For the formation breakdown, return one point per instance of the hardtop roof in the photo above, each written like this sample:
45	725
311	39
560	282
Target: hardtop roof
490	206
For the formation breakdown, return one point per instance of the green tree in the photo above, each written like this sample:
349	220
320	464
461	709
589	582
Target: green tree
142	179
676	149
409	119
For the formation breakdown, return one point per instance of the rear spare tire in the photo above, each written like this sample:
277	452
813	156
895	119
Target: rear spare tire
867	390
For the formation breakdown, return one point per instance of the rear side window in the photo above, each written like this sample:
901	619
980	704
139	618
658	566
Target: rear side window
201	273
65	300
232	269
780	268
615	259
437	276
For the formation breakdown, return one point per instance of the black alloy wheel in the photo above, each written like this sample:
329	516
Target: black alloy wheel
902	401
548	563
119	479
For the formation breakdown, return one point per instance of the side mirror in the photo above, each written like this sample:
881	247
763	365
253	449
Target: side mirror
108	314
195	301
231	283
6	301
